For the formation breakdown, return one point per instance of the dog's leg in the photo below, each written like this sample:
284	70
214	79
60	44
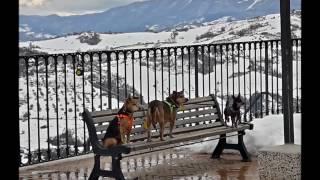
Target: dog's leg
162	122
158	116
172	125
149	119
122	134
238	119
226	117
161	131
233	121
149	137
128	138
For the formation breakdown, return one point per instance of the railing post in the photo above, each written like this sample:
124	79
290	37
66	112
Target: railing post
109	80
132	62
125	73
162	74
266	77
196	71
286	52
83	106
155	73
47	108
28	110
38	108
117	60
100	79
140	75
75	104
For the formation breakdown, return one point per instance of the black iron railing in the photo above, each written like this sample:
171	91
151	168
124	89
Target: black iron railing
54	89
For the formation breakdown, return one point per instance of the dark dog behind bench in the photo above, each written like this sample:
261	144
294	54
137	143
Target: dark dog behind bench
232	109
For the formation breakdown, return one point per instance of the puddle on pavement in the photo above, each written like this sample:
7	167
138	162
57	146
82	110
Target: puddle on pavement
228	168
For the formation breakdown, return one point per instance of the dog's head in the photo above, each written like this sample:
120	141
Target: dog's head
178	97
237	102
131	104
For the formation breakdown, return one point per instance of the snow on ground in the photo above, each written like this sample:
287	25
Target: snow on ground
267	131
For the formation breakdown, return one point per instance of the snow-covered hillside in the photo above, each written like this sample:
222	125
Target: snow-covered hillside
157	15
221	30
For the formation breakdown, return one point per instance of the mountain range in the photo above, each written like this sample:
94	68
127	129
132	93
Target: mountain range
155	15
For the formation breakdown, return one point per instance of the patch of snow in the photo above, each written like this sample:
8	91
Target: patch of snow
267	131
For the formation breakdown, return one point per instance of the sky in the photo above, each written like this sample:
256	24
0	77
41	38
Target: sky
68	7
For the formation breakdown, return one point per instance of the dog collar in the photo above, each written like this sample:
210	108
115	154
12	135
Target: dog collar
171	106
128	118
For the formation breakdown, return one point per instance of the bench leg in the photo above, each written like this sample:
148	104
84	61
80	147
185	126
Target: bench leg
96	168
242	148
222	144
116	168
218	150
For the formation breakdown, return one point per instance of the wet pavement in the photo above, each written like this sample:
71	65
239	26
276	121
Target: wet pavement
163	165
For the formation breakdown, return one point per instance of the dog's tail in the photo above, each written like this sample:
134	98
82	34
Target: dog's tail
156	115
153	114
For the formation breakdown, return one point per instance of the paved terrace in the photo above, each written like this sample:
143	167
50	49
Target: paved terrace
170	164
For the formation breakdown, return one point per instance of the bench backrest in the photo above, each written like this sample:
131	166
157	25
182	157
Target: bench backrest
198	113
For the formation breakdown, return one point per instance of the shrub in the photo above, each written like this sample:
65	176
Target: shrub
206	35
90	38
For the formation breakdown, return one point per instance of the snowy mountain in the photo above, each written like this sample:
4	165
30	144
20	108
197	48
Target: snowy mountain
140	16
222	30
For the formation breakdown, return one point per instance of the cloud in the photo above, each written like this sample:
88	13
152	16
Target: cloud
46	7
32	3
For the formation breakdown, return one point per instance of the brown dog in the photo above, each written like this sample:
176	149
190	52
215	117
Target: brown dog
119	129
163	112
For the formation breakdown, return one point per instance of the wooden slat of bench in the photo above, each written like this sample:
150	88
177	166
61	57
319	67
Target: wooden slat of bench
175	131
198	105
196	113
108	112
139	121
191	129
199	99
197	119
106	117
178	122
141	145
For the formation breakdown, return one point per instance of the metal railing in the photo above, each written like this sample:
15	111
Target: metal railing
54	89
